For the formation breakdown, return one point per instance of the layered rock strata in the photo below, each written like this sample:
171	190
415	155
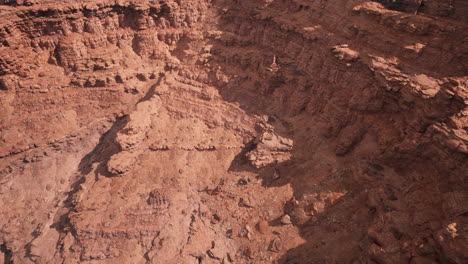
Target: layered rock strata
187	131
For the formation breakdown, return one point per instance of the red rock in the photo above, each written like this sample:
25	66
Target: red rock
263	227
140	105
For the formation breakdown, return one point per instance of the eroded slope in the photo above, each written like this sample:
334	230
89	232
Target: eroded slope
232	131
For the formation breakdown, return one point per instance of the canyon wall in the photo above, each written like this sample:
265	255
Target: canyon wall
230	131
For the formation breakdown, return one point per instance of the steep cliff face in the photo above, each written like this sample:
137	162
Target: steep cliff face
273	131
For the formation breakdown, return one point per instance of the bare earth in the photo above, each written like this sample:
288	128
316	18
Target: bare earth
233	131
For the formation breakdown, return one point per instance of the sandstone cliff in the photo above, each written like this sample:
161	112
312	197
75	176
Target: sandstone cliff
229	131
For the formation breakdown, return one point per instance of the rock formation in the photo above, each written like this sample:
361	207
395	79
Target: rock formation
233	131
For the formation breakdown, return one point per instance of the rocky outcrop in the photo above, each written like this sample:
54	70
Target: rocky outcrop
228	131
270	148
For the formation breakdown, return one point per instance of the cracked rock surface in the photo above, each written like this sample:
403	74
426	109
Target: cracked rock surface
233	131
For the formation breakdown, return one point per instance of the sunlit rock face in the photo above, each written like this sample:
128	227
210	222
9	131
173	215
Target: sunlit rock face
228	131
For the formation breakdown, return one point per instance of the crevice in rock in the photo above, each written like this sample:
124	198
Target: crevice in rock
152	90
8	254
372	98
102	153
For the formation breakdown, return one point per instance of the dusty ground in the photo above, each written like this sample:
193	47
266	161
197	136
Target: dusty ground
228	131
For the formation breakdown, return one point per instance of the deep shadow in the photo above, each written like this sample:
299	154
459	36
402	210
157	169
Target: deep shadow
152	90
101	154
338	232
402	5
240	162
8	255
259	102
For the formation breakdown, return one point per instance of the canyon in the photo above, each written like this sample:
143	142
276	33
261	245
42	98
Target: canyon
233	131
